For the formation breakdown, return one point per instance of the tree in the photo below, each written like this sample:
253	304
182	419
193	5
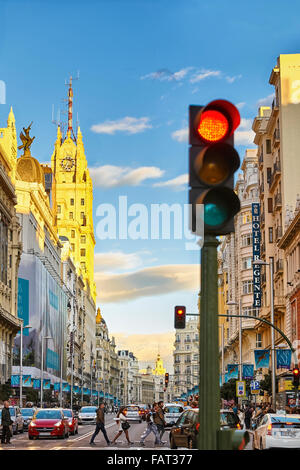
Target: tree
228	390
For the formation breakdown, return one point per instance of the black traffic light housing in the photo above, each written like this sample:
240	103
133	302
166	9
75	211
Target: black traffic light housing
296	377
166	379
179	317
212	164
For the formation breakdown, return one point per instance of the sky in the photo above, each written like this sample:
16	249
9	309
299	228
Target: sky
141	64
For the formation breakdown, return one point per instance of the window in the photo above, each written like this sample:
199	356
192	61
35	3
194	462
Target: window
258	340
72	202
82	202
82	239
72	233
82	215
268	145
82	252
270	234
59	209
246	218
247	263
246	240
73	246
270	205
247	287
71	216
269	172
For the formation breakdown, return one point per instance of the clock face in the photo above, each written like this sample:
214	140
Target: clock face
67	163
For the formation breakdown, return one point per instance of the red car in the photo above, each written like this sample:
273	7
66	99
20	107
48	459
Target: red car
73	421
49	422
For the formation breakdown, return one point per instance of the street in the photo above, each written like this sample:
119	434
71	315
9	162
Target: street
82	439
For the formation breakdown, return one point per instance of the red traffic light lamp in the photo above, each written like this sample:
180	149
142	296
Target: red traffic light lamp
179	317
166	379
296	376
213	162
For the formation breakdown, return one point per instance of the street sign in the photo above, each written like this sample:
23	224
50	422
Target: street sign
241	388
254	385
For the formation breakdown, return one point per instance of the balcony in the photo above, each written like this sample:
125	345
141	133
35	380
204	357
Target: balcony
262	218
275	174
276	138
277	201
279	301
275	104
261	189
263	247
278	233
187	340
261	159
263	278
279	266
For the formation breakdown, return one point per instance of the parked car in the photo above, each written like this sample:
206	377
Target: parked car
277	431
87	415
172	411
133	413
184	432
27	414
16	417
73	421
48	422
143	411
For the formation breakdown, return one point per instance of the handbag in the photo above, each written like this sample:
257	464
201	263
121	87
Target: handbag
125	425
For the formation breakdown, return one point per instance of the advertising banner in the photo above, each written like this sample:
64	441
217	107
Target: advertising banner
262	358
23	303
248	371
85	391
66	387
15	381
256	236
46	384
233	371
27	381
283	358
36	384
57	387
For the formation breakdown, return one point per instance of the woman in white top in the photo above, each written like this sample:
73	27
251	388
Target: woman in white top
121	418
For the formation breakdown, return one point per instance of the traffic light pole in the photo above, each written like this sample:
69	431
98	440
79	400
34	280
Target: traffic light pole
209	388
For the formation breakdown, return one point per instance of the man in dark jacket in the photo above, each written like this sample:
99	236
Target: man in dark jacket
6	422
159	419
100	425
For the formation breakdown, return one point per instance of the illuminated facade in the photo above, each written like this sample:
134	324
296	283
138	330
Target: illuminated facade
10	247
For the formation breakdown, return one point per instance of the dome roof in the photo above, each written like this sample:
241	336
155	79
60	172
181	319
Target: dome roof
30	170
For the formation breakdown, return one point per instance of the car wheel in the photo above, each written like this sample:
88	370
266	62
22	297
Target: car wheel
172	443
30	438
140	421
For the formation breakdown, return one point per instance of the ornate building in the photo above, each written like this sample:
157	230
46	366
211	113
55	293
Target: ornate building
74	215
10	247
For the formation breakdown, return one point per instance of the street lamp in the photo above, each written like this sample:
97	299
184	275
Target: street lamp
231	302
261	262
42	367
21	363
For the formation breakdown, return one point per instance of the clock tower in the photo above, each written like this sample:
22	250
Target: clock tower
74	197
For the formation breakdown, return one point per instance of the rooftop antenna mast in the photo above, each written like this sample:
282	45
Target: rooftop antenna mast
58	121
70	104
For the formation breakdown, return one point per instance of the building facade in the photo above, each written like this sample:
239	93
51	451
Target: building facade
10	247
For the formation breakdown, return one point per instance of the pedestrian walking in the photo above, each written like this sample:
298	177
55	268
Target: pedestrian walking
6	423
123	426
248	416
159	419
100	425
241	417
151	426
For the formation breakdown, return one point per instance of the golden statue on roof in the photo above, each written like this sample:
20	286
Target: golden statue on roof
26	140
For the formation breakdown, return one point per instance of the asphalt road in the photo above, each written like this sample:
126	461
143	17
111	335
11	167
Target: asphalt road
81	440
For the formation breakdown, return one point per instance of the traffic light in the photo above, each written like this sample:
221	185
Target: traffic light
166	379
179	317
212	164
296	376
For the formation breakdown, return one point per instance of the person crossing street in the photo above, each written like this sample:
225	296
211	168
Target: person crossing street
151	427
100	425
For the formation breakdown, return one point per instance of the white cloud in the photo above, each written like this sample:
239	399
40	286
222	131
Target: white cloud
181	135
115	260
111	176
166	75
240	105
151	281
129	125
244	135
178	184
203	74
267	101
232	79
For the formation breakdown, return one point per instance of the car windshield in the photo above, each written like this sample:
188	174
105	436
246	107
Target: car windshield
285	422
228	419
88	410
27	411
132	408
68	413
173	409
48	414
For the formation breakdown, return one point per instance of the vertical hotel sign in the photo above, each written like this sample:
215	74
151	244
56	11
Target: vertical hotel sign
256	255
